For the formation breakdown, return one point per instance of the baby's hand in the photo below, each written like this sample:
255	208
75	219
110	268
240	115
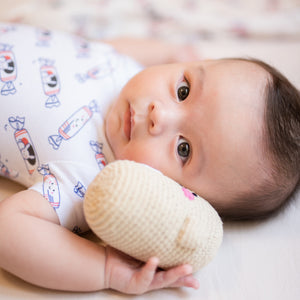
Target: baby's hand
127	275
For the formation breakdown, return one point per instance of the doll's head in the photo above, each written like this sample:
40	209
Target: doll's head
141	212
222	128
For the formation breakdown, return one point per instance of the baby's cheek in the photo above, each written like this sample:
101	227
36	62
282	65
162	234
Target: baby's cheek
141	155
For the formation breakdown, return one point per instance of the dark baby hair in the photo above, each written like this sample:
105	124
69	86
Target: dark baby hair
281	140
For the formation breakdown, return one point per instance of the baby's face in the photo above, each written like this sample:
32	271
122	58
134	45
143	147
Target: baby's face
198	123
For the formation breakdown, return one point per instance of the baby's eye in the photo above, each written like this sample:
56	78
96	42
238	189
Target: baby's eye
183	149
183	91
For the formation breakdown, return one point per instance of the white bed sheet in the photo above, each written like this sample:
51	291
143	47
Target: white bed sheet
257	260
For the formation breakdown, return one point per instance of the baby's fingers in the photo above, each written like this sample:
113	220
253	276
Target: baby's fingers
175	277
187	281
147	273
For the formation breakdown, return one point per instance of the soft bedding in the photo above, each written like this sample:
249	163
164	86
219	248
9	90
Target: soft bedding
257	260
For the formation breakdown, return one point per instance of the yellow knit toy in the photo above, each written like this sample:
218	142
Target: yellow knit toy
141	212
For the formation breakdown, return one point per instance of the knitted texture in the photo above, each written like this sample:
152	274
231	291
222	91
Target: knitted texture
143	213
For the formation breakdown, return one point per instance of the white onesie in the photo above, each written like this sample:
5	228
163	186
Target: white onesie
55	89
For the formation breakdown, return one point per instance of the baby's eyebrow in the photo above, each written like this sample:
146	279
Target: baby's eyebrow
202	74
201	71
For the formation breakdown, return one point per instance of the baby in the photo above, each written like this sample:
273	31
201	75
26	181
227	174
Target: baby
226	129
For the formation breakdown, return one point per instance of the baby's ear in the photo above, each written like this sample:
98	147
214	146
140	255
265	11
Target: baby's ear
139	211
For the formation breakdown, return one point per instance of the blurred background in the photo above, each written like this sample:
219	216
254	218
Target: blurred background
184	20
266	29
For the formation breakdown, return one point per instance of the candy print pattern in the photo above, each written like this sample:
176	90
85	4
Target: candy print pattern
44	37
6	28
97	72
8	70
99	156
24	143
82	47
50	186
50	82
73	124
80	189
47	136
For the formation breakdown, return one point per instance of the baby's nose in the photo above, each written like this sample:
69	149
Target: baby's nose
161	117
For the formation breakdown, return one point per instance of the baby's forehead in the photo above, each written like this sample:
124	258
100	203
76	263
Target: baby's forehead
235	73
243	73
250	66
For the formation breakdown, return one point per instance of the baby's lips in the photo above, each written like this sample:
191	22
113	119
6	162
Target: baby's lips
127	123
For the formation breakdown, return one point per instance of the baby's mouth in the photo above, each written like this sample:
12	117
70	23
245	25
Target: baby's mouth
128	121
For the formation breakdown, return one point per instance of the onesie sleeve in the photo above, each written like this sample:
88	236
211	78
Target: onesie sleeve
63	185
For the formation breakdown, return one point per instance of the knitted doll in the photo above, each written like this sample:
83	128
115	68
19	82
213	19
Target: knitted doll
139	211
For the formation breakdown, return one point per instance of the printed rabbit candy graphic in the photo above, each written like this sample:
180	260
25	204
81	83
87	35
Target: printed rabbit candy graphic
73	124
99	156
50	81
80	189
44	37
50	186
102	70
8	70
24	143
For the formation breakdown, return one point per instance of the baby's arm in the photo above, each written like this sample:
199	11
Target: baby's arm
37	249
